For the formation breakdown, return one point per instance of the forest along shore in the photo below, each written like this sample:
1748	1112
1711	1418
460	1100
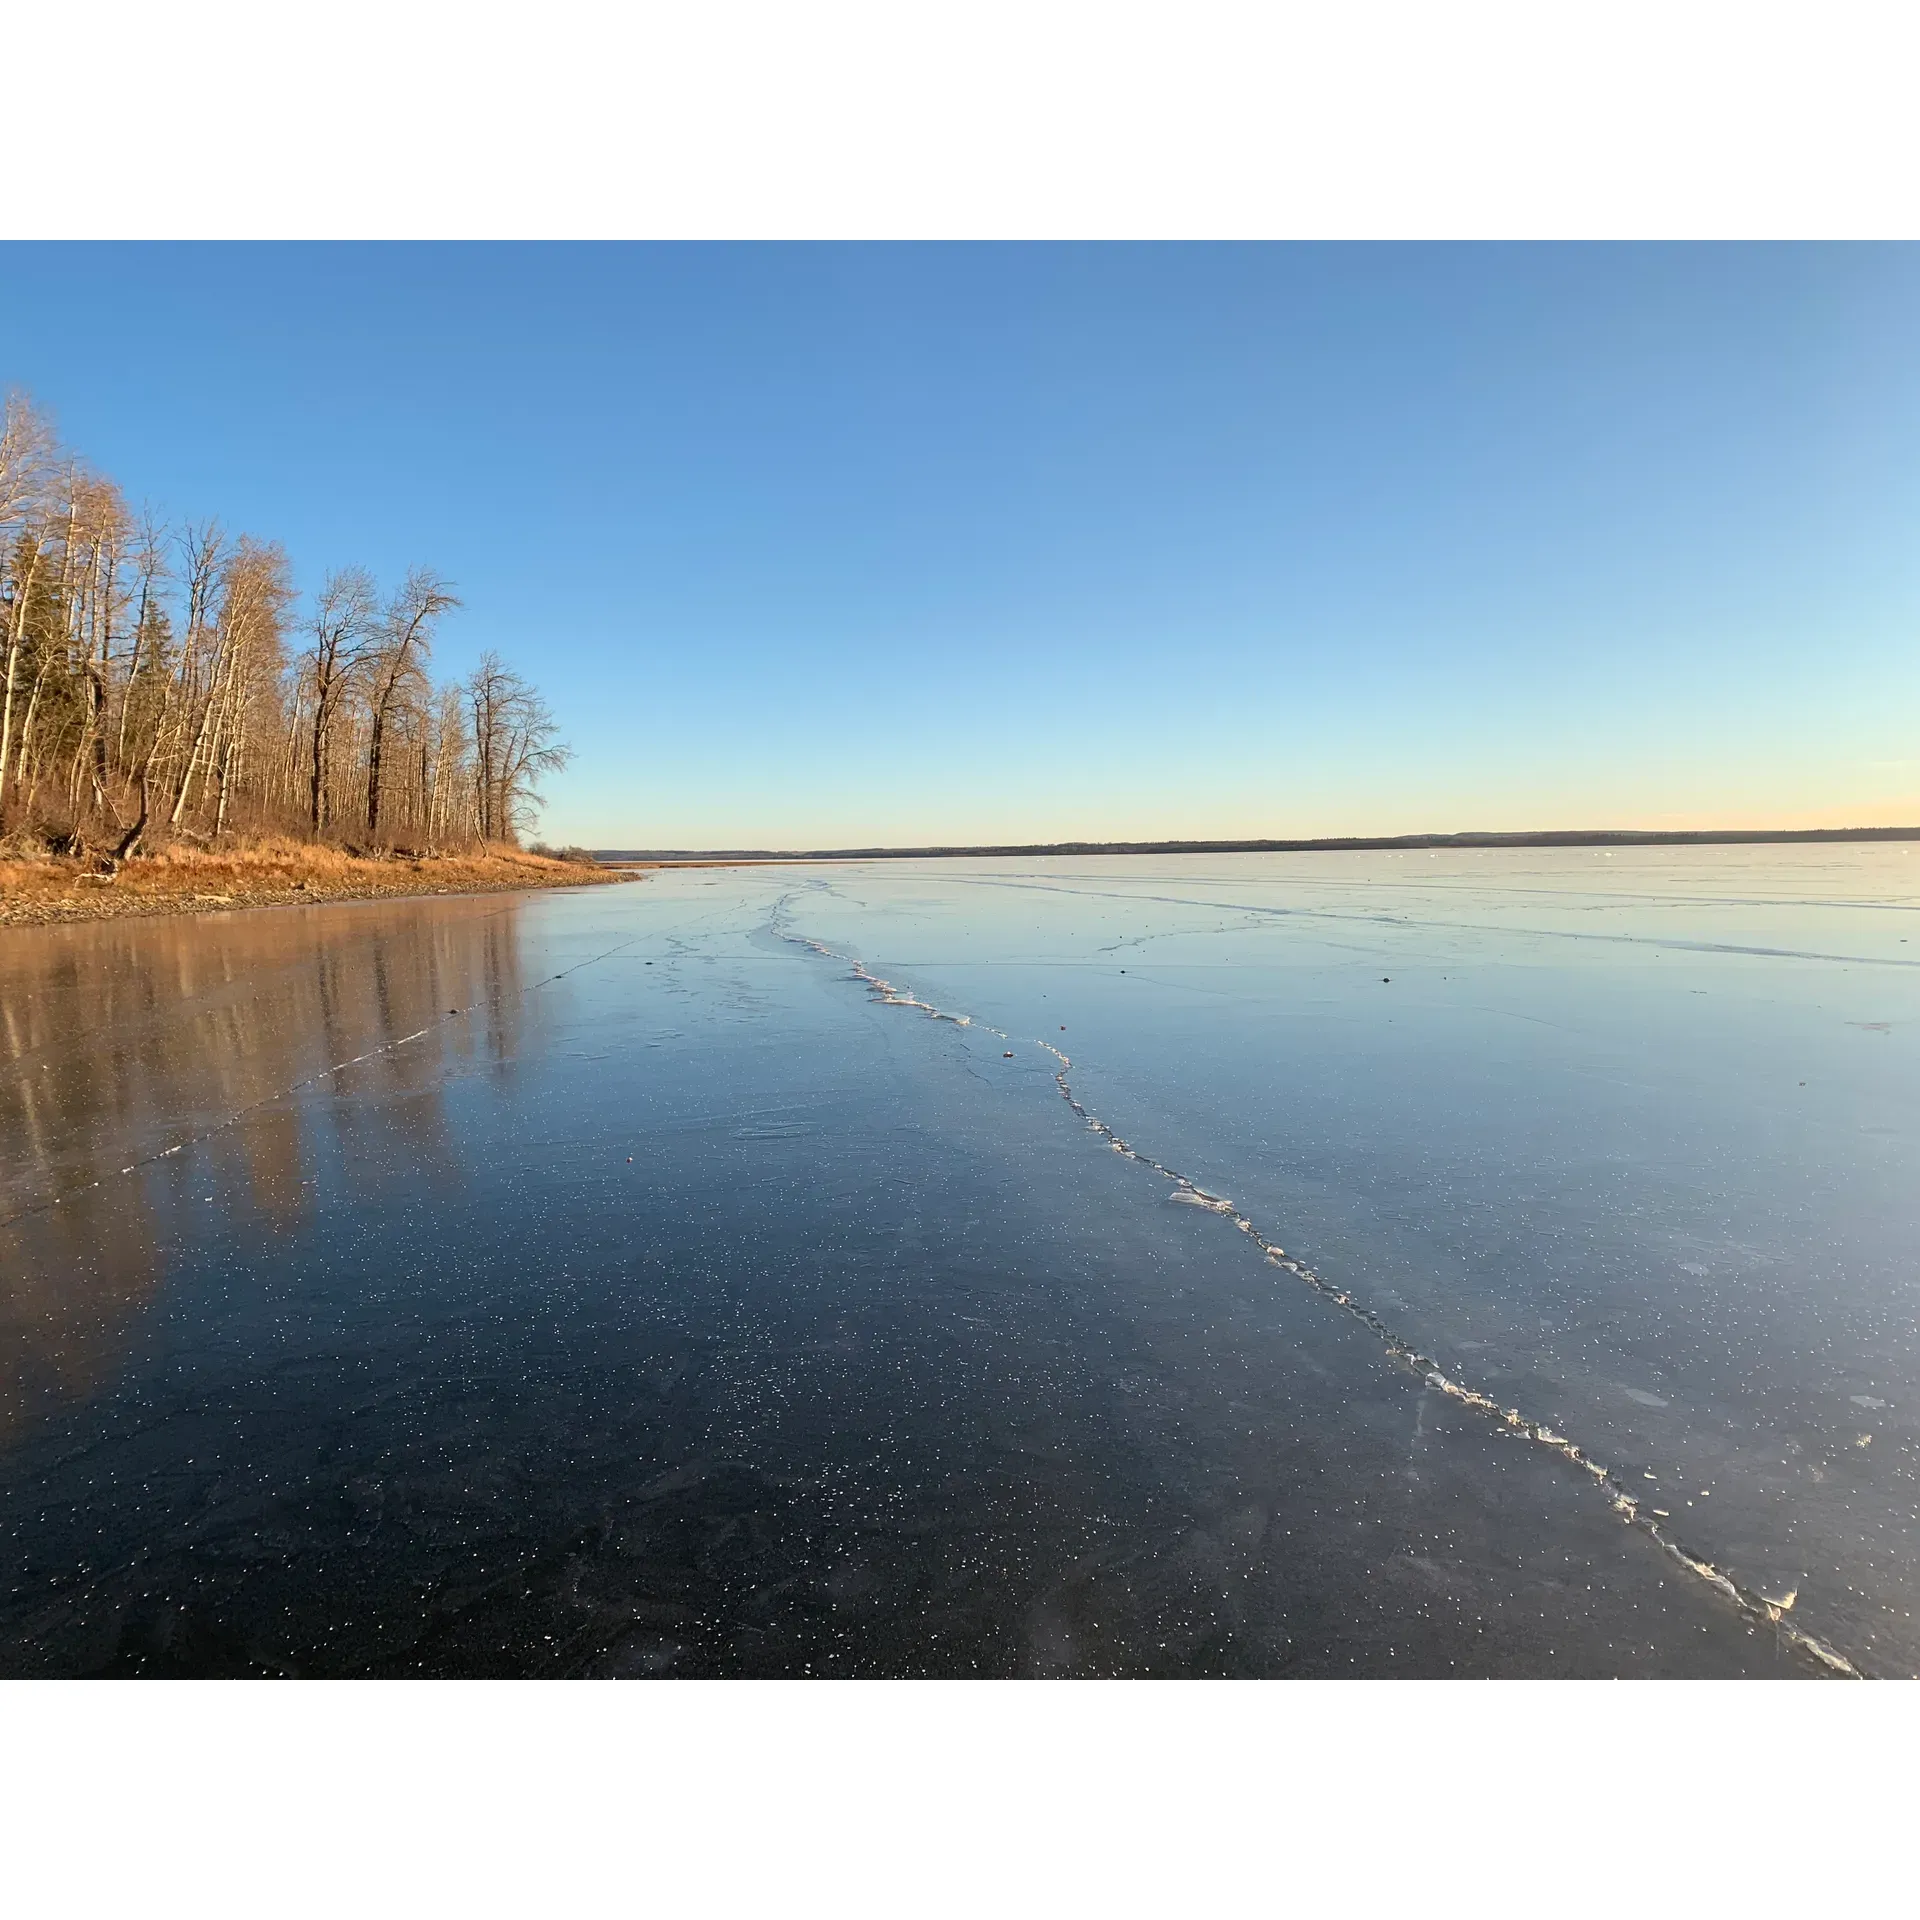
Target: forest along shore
177	724
187	880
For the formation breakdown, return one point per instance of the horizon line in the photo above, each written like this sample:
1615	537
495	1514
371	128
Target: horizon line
1359	843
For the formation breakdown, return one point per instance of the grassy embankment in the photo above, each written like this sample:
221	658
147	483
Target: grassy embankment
37	891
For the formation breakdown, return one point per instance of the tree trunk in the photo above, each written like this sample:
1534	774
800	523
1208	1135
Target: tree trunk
318	795
373	772
129	843
16	633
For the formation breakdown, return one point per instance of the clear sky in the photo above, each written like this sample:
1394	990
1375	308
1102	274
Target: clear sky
904	545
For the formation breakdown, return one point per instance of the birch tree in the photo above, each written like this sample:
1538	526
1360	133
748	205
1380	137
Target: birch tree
398	670
343	625
148	689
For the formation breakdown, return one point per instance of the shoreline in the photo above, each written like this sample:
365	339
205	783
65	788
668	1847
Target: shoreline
1601	837
62	893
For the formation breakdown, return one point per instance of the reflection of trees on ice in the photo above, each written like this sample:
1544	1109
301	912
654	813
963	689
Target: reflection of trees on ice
374	1006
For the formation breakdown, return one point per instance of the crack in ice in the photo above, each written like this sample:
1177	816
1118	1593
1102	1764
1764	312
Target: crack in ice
1401	1352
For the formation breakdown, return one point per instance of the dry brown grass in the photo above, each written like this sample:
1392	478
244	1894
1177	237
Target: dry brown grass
266	872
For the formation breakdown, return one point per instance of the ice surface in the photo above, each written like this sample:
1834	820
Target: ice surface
644	1281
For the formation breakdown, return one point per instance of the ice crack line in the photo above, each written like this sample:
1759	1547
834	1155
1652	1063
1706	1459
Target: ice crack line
1402	1353
1404	922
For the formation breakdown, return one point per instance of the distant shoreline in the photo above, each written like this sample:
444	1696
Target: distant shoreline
1406	842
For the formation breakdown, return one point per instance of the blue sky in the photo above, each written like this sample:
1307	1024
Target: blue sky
870	545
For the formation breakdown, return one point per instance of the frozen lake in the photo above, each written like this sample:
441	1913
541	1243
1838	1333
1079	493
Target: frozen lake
622	1282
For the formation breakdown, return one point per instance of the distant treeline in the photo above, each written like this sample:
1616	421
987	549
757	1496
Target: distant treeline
1411	842
168	681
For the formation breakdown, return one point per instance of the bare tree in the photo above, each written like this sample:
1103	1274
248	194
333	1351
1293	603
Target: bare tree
99	529
25	586
447	783
515	745
201	549
398	670
345	613
28	457
27	522
147	678
256	591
